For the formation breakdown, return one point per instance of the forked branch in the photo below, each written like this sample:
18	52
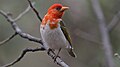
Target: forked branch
19	32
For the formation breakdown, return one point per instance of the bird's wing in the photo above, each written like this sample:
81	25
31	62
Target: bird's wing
65	32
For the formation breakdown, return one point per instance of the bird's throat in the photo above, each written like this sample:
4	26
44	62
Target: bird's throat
53	26
51	21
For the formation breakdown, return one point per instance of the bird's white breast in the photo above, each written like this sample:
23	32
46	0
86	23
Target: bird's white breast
53	38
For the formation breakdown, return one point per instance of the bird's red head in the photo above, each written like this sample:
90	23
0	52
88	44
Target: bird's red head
57	10
54	14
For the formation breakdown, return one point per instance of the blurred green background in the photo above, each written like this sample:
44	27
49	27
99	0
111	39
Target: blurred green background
81	22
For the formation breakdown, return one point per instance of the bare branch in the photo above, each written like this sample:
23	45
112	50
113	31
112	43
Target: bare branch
110	27
18	30
114	22
8	39
22	55
58	60
24	12
33	8
16	19
29	37
104	33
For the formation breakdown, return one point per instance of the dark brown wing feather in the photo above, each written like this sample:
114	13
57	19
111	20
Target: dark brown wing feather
67	36
65	32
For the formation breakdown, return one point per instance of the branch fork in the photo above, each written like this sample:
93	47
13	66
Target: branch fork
27	36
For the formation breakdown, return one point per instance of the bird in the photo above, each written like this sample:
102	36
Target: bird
53	31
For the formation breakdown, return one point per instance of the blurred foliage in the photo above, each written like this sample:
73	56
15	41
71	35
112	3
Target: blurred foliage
79	18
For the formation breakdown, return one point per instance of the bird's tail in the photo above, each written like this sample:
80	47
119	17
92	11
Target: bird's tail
72	53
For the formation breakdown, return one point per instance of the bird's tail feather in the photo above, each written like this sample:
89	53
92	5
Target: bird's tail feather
72	53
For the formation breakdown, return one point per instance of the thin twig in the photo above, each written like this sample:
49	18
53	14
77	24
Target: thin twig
91	38
8	39
37	13
110	27
24	12
22	55
86	36
114	22
104	33
18	30
16	19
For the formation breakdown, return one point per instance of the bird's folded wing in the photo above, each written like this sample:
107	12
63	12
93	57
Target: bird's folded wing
65	32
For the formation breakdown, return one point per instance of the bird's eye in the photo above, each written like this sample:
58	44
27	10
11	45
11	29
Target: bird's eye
58	8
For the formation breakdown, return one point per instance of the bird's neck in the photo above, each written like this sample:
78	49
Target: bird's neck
52	20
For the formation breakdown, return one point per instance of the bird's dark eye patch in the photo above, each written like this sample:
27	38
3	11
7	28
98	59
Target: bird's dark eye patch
58	8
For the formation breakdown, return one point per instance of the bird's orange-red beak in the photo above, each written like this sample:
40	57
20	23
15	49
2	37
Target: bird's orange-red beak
64	8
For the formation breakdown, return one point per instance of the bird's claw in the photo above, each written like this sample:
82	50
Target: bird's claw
48	52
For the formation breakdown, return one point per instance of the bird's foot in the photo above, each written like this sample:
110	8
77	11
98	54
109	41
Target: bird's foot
48	52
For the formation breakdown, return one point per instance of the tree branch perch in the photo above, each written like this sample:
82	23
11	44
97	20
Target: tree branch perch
22	55
28	36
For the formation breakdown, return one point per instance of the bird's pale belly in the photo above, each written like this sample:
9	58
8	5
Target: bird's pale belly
54	39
